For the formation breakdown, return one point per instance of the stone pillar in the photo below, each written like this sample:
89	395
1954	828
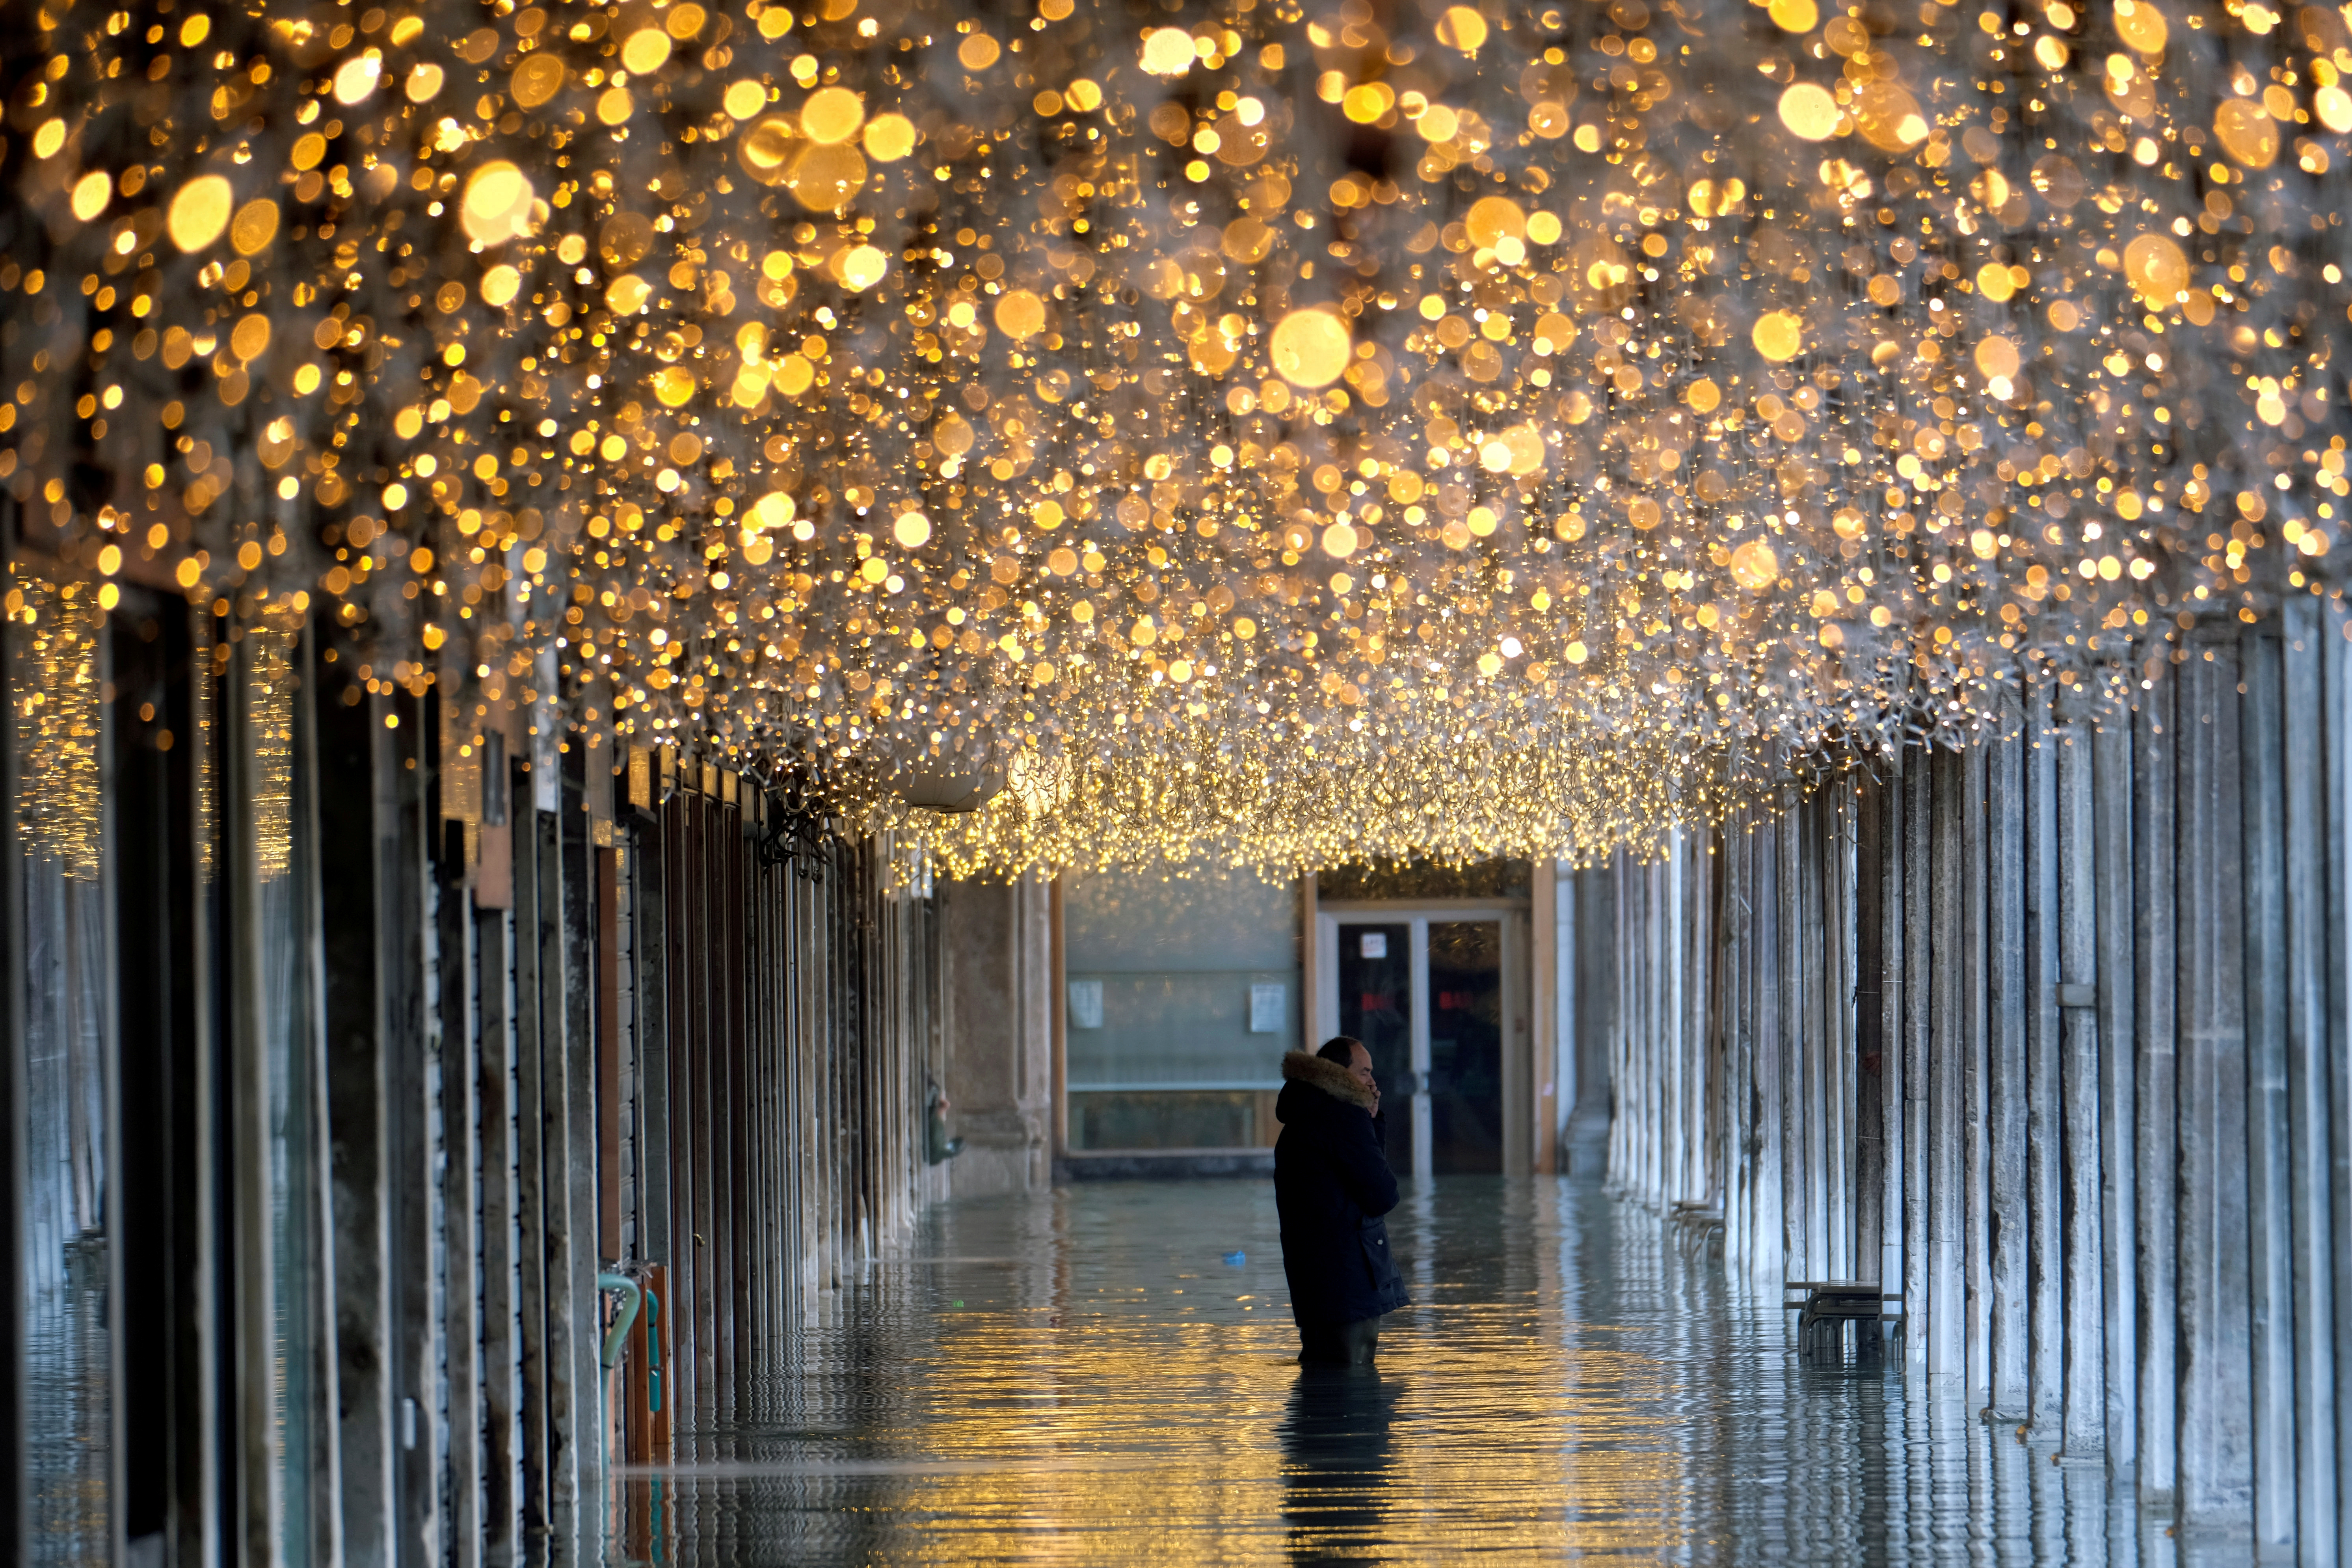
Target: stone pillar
1738	1052
1838	1010
1943	1313
352	911
2215	1294
2269	1202
1682	978
1596	972
2044	1131
1813	1024
1628	945
2335	662
2005	1051
2309	641
1976	1067
1768	1137
2082	1345
1919	967
2155	828
1894	929
2111	812
1869	1025
415	1529
999	1034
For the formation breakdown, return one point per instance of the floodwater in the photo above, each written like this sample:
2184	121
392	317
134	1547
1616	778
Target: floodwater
1081	1376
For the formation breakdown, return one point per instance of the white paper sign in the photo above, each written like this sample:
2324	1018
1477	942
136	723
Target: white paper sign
1267	1009
1086	1004
1376	944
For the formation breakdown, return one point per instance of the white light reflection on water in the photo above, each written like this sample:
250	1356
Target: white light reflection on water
1077	1377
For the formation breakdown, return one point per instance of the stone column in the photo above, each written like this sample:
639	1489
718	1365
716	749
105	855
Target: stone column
2154	828
1738	1052
1768	1137
1841	1006
1798	1127
2083	1350
1975	1152
2006	1067
999	1034
1596	913
1809	960
1919	970
2216	1434
2269	1207
1869	1025
2045	1322
2335	847
2111	810
1944	1317
1894	929
2310	1041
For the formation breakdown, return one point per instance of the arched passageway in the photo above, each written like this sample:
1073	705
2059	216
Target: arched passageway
698	691
364	1075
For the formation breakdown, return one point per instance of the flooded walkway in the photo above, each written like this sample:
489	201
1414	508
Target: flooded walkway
1090	1376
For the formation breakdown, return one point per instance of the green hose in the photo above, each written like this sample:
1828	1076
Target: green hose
617	1336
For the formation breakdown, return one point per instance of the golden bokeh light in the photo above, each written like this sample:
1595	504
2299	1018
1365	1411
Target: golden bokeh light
1809	110
1779	335
1167	51
1310	347
1197	413
497	201
889	137
2247	132
832	114
199	211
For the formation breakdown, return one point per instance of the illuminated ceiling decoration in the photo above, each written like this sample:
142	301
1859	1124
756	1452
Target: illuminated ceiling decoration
1260	432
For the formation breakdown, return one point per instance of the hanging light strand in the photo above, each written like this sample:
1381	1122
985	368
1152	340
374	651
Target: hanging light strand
1431	428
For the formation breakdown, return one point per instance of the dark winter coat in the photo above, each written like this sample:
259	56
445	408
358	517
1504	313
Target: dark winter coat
1331	1185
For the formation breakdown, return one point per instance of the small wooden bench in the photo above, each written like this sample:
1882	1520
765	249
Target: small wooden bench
1698	1226
1824	1307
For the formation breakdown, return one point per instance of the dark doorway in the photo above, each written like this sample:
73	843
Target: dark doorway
1465	1047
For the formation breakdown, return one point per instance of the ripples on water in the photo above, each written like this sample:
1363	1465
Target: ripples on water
1079	1377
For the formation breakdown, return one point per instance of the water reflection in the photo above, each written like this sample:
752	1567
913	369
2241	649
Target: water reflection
1079	1378
1335	1461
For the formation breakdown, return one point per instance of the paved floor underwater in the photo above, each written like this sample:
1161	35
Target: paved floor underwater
1091	1375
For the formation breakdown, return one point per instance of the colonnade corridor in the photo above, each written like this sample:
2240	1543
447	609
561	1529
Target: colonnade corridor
1082	1376
723	714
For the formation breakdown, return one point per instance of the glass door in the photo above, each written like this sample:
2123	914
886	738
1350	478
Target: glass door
1376	1007
1466	1046
1426	995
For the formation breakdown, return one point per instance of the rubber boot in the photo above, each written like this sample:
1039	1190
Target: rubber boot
1339	1344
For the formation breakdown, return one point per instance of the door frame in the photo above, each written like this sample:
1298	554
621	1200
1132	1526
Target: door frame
1519	1002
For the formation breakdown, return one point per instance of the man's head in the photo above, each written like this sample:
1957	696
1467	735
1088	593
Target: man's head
1350	1053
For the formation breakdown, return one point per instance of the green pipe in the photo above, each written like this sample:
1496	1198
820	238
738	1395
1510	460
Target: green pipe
652	1352
617	1336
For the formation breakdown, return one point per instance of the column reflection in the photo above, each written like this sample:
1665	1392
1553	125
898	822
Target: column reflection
1079	1377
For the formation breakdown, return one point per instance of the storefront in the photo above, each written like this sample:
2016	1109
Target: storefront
1180	996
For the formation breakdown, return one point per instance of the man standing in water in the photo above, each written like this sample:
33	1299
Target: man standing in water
1331	1185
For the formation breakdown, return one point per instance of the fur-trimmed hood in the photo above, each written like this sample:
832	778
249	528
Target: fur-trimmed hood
1304	1068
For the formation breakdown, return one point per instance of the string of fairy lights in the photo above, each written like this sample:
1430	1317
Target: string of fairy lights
1274	431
